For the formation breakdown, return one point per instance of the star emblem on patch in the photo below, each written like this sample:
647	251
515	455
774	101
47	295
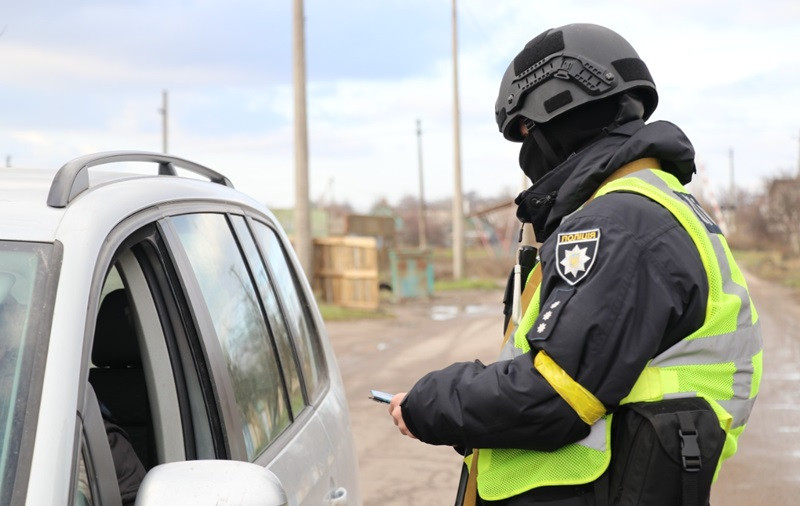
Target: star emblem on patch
576	253
575	260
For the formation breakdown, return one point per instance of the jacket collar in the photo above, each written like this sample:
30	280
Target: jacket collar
572	183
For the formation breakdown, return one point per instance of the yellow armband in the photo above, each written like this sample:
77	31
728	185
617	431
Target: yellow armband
587	406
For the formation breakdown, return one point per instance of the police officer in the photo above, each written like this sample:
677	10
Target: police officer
639	298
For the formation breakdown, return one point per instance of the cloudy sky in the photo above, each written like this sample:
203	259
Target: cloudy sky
80	76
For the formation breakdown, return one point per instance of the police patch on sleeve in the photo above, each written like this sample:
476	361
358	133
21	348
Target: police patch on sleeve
575	254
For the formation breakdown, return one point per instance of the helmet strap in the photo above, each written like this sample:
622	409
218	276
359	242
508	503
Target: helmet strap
550	157
630	108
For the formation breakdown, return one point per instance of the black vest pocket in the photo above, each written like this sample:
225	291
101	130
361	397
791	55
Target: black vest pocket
664	453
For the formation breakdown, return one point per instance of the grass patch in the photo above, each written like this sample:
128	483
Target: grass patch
331	312
770	265
466	284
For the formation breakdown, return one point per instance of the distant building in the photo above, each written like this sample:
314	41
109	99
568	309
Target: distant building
784	188
783	207
320	224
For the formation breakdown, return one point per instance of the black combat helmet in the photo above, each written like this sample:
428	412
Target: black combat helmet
566	67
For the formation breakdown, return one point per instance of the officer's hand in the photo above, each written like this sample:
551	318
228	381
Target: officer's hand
397	414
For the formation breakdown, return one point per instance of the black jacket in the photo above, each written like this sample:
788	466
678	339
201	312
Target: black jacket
643	290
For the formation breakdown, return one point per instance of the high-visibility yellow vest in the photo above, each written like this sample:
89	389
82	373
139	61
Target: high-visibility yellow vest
721	361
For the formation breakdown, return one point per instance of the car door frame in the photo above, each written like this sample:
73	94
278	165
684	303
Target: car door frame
288	462
173	254
108	254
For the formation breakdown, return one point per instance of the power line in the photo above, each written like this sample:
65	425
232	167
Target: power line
458	203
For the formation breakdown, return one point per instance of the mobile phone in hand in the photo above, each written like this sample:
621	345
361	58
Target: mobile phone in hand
378	396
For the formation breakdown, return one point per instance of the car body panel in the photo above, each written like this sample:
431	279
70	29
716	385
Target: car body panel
91	229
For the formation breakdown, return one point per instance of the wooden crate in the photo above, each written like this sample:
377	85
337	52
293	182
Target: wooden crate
346	271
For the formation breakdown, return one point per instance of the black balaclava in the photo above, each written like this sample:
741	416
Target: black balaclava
549	144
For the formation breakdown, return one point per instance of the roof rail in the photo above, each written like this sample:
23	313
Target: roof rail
73	177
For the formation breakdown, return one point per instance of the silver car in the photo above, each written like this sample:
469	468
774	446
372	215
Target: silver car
169	309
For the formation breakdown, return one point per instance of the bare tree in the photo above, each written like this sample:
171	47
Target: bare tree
408	211
782	209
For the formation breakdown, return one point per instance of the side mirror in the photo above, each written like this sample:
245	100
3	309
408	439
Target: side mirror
210	482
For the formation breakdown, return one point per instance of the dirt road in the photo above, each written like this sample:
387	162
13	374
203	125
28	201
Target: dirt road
766	470
392	354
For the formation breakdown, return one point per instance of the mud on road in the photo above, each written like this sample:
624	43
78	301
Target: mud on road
391	354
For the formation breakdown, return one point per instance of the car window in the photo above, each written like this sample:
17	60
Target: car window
275	317
228	290
113	282
24	268
297	310
83	489
182	400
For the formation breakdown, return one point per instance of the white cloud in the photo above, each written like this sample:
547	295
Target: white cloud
46	67
725	71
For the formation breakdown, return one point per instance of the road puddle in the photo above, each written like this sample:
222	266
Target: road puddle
448	312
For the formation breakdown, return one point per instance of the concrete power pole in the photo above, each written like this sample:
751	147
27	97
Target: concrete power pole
732	179
302	220
164	111
458	204
732	202
423	236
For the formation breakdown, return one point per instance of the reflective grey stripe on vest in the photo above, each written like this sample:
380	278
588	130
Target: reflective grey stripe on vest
729	286
596	440
730	347
738	347
509	351
739	409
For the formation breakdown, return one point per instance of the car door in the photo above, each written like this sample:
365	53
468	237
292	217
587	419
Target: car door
227	361
147	398
265	381
319	368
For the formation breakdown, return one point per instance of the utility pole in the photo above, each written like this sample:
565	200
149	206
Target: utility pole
302	219
164	111
458	205
732	180
798	157
423	239
732	202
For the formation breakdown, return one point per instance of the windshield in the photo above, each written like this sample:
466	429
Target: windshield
24	268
